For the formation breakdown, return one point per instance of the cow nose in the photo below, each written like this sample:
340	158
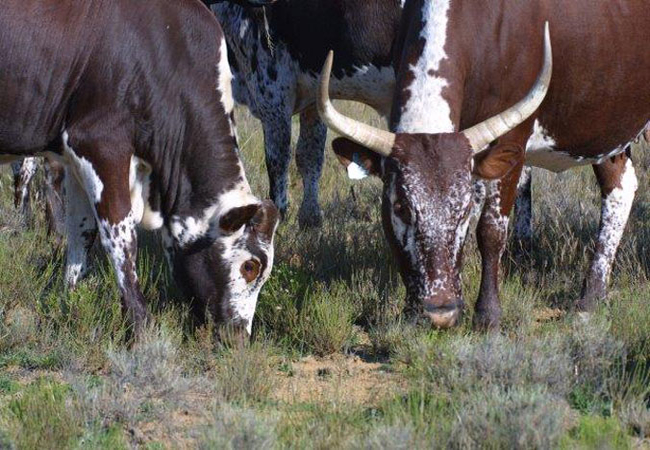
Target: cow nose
445	316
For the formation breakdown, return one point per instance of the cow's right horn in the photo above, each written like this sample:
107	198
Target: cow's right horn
493	128
372	138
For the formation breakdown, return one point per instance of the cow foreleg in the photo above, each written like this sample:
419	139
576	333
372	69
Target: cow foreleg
104	173
618	184
309	159
492	234
81	230
277	144
522	229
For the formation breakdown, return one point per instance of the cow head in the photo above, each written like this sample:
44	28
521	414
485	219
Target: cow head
225	270
428	184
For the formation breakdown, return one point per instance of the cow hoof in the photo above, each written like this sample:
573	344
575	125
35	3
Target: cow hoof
310	220
487	320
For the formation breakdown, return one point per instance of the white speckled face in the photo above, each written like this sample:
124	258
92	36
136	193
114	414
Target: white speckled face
426	216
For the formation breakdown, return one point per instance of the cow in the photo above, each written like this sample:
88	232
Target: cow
135	99
276	55
460	68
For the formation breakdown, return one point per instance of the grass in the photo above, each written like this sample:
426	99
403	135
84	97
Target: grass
332	363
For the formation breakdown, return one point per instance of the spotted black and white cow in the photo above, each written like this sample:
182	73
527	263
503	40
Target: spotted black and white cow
135	98
461	66
277	52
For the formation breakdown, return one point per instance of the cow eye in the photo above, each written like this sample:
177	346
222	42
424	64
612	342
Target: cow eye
250	270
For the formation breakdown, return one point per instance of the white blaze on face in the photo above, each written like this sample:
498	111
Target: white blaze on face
426	110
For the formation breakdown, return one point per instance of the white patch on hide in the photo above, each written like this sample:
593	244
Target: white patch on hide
84	171
426	111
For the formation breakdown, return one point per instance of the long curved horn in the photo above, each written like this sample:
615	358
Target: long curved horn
379	141
493	128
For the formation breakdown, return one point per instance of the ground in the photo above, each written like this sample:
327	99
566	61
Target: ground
332	364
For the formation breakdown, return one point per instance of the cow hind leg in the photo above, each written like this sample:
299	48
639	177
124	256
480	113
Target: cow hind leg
103	170
618	184
54	206
522	229
309	159
277	144
81	230
24	172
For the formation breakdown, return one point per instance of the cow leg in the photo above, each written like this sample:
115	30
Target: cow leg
24	172
81	230
103	171
522	230
277	143
492	234
54	209
618	184
309	158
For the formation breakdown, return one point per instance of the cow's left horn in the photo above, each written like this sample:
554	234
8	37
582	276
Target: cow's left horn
372	138
493	128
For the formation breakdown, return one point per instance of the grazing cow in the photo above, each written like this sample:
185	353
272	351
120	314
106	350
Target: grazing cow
276	54
460	67
135	98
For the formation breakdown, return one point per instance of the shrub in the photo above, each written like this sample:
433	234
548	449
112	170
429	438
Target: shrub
516	418
237	428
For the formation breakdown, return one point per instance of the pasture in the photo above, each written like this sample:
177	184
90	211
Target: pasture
331	365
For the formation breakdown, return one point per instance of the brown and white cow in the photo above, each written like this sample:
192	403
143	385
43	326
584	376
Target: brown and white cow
460	66
135	98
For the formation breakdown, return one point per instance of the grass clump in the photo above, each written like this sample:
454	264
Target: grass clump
317	320
596	432
245	373
44	414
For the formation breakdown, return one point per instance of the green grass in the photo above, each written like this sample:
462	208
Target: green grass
332	363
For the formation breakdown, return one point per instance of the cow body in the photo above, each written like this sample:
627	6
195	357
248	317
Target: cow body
461	64
277	52
134	97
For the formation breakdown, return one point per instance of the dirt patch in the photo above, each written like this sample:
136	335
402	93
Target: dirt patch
337	378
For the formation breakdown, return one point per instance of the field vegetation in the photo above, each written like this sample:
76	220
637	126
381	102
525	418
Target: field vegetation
331	363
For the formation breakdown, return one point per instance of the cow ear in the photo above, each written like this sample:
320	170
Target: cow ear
357	159
498	161
265	221
236	218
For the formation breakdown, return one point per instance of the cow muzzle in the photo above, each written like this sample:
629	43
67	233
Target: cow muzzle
446	316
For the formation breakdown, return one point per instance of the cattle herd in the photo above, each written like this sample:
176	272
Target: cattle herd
131	105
